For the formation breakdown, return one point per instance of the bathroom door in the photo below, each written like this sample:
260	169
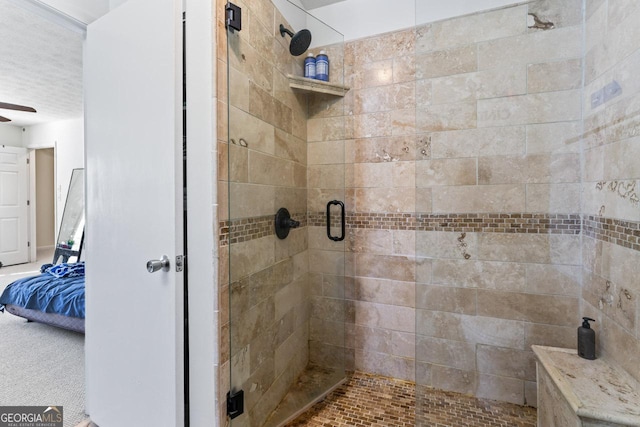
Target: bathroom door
134	193
286	284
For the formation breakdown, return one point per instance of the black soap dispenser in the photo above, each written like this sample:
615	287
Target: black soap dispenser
586	340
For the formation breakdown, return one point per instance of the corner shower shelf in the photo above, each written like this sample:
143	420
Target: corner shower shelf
317	86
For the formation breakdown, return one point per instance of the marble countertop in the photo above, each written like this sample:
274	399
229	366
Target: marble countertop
594	388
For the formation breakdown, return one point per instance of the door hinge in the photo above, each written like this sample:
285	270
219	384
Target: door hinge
235	404
233	19
27	160
28	202
28	244
180	260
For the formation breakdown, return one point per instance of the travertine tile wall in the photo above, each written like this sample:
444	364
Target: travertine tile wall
265	282
611	264
472	219
326	180
463	190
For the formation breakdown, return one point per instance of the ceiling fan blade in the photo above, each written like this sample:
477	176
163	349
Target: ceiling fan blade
7	106
4	119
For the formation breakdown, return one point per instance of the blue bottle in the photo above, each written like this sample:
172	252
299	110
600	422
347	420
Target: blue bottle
310	66
322	66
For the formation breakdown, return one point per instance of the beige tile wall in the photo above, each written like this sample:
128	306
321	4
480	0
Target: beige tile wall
375	131
479	116
265	285
611	264
469	116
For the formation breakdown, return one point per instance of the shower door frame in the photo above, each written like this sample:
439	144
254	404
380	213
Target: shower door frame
305	271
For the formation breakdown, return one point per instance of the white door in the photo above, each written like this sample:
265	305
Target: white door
133	112
14	211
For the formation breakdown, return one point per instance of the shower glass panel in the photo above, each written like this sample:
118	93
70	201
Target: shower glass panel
286	149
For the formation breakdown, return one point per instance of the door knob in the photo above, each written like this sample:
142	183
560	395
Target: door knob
157	264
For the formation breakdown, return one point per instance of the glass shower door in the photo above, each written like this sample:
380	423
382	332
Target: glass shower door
285	151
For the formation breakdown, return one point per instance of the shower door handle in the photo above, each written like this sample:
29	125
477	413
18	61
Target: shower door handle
335	202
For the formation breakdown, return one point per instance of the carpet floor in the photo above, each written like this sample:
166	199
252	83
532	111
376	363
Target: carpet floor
40	365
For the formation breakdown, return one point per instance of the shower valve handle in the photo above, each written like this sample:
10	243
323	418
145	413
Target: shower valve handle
284	223
292	223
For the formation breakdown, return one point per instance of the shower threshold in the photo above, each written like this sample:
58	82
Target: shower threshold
313	385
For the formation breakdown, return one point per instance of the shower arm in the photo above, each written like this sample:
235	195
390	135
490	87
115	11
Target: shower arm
284	30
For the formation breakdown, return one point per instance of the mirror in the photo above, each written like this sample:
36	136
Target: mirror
71	232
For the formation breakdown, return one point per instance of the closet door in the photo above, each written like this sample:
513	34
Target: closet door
134	326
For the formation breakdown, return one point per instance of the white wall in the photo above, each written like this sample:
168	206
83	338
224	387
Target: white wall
67	137
115	3
297	18
293	12
204	363
437	10
10	135
362	18
82	10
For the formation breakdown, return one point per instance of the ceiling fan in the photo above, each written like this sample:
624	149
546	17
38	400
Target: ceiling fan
7	106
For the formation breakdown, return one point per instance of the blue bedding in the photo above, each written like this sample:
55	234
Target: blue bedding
47	293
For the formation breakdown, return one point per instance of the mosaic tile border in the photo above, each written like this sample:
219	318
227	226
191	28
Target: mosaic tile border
619	232
246	229
469	223
502	223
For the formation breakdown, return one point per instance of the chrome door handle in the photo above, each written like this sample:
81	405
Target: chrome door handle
157	264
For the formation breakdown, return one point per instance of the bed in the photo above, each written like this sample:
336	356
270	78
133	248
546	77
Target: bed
54	297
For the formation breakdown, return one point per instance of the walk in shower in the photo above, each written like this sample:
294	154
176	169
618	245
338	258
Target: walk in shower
286	283
483	162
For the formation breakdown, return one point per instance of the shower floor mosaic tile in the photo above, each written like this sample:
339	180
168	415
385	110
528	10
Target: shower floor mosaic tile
369	400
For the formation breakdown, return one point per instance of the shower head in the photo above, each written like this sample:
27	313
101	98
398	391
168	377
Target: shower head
300	41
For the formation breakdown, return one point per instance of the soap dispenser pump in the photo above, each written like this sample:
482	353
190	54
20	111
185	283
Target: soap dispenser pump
586	340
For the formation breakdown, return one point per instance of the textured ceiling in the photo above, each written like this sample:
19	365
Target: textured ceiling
40	66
